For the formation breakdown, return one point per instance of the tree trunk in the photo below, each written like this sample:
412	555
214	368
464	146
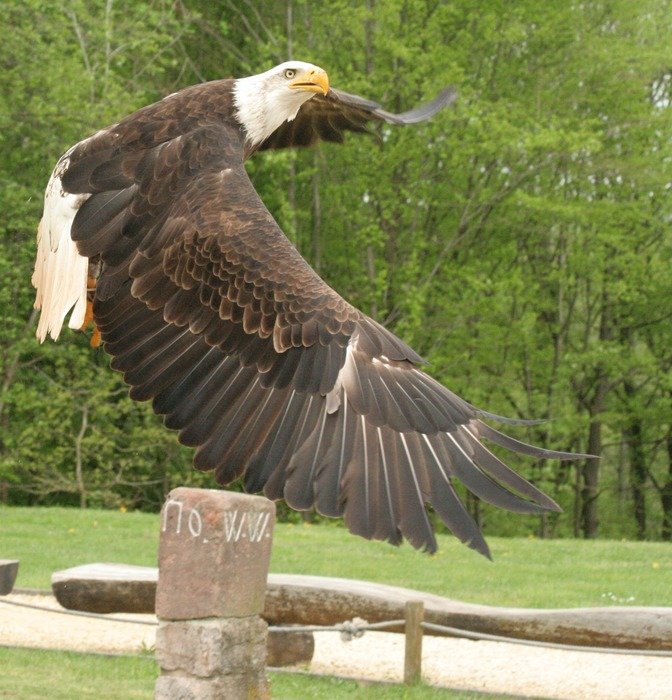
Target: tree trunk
590	472
576	511
289	24
369	32
79	466
317	214
638	473
666	494
591	479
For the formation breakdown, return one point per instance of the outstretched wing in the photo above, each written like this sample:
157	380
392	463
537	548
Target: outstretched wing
328	117
210	312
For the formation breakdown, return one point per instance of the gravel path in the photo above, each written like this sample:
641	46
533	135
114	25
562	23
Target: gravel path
455	663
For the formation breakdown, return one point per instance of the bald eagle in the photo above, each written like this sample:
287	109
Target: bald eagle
152	229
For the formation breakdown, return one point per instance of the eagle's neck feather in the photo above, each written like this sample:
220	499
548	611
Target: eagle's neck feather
261	109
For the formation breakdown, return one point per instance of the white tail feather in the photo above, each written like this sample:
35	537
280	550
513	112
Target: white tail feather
60	275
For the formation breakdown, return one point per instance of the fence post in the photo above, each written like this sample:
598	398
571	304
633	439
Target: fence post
214	553
414	614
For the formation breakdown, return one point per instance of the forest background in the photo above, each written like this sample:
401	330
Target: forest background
520	242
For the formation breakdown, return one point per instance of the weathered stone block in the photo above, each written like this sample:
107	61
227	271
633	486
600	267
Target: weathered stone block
214	647
245	687
228	688
214	552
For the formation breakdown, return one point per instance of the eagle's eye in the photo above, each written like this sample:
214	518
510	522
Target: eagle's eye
290	73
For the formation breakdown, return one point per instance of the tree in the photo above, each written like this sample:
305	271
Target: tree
520	241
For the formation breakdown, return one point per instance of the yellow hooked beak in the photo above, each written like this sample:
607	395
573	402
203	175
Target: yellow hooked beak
314	80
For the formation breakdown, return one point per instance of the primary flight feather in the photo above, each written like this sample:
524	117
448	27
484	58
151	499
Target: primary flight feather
152	228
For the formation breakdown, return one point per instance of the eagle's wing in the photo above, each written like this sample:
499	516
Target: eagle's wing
328	117
210	312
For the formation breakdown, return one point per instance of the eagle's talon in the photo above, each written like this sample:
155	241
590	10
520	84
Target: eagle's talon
88	314
96	339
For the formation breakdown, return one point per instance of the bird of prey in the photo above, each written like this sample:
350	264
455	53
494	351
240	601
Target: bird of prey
153	230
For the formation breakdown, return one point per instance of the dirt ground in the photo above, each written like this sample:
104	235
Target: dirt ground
488	667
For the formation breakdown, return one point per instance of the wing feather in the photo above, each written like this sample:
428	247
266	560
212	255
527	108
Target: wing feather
211	313
328	117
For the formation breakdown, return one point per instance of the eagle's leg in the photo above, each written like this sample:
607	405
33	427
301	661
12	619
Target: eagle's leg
88	316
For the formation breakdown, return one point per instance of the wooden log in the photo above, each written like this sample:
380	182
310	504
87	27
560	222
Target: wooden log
289	648
9	568
319	600
107	588
324	601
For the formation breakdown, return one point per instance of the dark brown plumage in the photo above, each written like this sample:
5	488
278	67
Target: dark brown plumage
211	313
327	117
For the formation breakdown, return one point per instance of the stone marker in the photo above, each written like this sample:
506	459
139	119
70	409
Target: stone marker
214	552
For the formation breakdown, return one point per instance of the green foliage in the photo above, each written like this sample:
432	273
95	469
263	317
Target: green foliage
69	69
520	241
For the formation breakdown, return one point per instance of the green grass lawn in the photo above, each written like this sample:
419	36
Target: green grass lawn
66	676
525	573
31	674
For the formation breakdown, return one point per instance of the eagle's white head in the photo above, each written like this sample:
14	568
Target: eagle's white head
263	102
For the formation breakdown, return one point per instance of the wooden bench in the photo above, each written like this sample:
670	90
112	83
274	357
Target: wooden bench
318	600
